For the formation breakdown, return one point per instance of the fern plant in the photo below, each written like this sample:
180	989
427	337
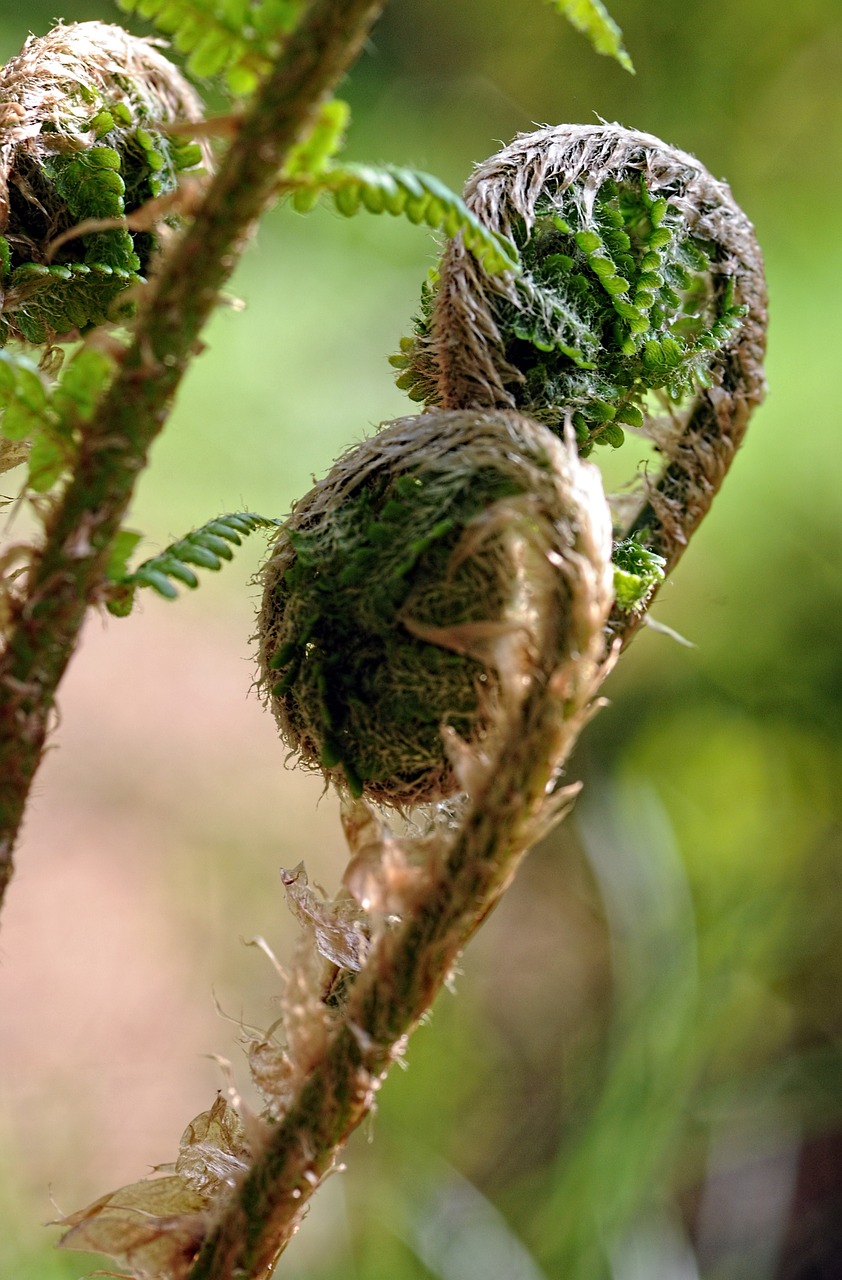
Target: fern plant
459	565
235	39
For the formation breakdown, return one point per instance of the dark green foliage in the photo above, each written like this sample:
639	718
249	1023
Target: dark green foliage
204	548
615	301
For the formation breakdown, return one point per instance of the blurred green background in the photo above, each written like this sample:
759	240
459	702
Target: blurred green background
640	1073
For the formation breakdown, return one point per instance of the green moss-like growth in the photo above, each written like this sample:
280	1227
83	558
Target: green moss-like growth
385	593
83	113
638	571
616	300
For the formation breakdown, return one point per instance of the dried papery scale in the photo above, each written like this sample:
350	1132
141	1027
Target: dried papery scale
398	591
643	287
83	142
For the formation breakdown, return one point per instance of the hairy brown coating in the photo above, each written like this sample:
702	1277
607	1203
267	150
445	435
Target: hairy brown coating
396	588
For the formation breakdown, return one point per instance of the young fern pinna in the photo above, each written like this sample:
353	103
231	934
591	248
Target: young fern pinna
499	611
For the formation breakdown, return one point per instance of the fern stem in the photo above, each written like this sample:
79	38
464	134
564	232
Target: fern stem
552	696
130	416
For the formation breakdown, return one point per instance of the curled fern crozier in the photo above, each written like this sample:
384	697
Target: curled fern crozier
641	306
83	143
403	583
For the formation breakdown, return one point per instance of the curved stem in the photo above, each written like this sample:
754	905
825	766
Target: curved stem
408	965
681	497
116	444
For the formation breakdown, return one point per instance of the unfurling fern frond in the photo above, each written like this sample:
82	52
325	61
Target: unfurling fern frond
410	193
236	39
594	21
629	301
204	548
86	144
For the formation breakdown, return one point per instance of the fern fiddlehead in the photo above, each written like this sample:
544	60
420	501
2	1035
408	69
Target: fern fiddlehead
396	590
83	143
437	617
642	305
639	290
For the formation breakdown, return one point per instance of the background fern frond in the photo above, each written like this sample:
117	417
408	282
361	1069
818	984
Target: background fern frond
236	39
410	193
594	21
205	548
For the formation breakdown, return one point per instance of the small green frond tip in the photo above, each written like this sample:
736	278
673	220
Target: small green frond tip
637	572
312	155
594	21
410	193
205	548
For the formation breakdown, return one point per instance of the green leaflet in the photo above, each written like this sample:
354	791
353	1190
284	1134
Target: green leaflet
234	39
312	155
594	21
48	417
410	193
24	397
205	548
82	383
28	415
